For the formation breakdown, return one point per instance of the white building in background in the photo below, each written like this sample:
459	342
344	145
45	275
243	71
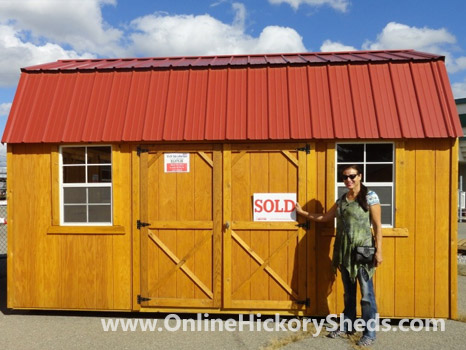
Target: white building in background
461	106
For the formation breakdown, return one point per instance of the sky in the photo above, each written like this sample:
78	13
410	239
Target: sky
39	31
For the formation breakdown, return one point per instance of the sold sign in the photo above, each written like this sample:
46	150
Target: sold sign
274	207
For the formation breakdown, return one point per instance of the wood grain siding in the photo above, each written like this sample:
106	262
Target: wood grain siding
415	277
71	271
190	260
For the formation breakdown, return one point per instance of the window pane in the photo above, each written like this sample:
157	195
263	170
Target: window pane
74	174
381	152
99	194
74	195
350	152
75	213
343	166
386	215
99	213
99	173
379	172
384	193
99	155
73	155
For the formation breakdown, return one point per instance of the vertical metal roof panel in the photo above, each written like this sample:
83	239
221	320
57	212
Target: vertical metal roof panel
406	101
115	115
428	100
384	101
363	102
60	108
44	97
298	92
196	105
130	125
156	111
341	101
16	115
257	104
79	107
236	127
98	107
447	101
216	105
321	108
27	91
176	106
279	127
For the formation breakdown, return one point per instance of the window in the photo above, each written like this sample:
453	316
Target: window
86	185
377	163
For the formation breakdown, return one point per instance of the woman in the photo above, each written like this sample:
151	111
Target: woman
354	212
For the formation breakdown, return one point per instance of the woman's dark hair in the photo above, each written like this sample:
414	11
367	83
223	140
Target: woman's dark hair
361	197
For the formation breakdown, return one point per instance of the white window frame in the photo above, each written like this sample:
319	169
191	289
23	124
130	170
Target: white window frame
86	184
370	185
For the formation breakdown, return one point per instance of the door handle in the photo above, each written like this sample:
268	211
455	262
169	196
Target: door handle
227	225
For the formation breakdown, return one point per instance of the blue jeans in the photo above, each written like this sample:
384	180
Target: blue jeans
368	305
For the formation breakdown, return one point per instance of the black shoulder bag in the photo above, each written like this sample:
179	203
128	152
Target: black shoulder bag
361	254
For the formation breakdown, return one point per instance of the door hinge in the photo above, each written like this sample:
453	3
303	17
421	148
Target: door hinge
142	299
306	225
141	224
141	150
306	302
306	148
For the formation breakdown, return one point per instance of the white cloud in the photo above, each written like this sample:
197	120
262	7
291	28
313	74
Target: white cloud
5	109
401	36
459	89
78	23
335	46
161	34
339	5
437	41
16	53
456	64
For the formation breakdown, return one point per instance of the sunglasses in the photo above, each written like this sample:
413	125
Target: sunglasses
352	177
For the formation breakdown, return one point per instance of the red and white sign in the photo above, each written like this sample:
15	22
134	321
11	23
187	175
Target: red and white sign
176	162
274	206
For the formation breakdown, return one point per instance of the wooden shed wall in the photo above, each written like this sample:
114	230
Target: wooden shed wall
59	269
63	269
418	274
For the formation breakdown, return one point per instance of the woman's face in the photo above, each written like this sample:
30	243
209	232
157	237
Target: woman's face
351	178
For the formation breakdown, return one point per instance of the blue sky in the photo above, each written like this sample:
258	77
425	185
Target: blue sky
39	31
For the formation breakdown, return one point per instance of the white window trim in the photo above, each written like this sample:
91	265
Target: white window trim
371	185
92	184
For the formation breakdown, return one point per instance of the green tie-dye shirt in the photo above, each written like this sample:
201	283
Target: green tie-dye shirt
354	222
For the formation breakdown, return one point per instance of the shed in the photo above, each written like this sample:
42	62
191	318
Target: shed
130	181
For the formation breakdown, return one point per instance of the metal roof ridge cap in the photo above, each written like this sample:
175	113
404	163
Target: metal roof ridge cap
353	54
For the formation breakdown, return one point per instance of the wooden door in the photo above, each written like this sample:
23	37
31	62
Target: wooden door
181	245
265	263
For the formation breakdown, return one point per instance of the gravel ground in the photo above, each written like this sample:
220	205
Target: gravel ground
54	330
461	259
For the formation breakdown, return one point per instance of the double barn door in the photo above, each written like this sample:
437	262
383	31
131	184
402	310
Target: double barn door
200	247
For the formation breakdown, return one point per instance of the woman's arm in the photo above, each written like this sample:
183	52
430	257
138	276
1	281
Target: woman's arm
329	215
376	215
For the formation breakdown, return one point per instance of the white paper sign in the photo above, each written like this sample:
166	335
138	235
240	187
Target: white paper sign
176	162
274	206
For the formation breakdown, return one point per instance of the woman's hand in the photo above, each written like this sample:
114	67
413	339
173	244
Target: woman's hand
299	209
378	258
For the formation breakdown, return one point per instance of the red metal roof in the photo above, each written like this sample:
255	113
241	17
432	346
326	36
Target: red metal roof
351	95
